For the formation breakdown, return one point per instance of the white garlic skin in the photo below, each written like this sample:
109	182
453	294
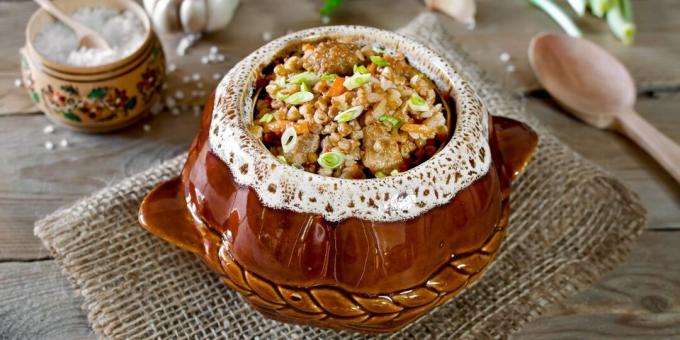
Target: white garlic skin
190	16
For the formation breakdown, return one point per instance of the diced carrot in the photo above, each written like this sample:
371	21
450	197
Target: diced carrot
372	68
337	88
301	128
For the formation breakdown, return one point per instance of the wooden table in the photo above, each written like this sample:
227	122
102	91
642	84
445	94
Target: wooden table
639	299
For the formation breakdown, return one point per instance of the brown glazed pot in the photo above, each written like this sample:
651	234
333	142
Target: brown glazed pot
366	255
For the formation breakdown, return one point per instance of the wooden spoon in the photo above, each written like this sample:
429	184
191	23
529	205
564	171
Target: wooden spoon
595	87
86	36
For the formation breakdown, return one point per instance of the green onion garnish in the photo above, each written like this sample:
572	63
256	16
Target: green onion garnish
394	172
280	95
579	6
360	69
289	139
282	159
349	114
355	81
304	87
394	121
266	118
328	77
379	174
379	61
331	160
599	7
417	103
298	98
618	21
308	78
557	14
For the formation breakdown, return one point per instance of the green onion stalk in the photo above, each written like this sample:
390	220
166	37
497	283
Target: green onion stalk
560	17
579	6
620	20
599	7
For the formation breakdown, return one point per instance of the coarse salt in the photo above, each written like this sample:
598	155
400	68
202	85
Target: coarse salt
48	129
49	145
63	143
123	31
17	82
504	57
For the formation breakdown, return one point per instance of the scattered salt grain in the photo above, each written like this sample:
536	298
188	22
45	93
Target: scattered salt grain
179	94
122	30
49	145
214	50
17	82
205	59
199	85
216	76
504	57
170	102
186	79
48	129
197	110
186	42
220	57
156	108
175	111
510	68
63	143
147	127
325	20
172	67
195	77
266	36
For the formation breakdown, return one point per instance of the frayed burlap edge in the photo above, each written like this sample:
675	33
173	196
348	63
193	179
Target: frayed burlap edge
571	222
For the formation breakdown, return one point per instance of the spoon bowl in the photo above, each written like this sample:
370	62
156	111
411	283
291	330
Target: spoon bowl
597	88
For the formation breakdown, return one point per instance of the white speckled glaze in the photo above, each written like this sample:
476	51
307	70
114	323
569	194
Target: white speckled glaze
464	159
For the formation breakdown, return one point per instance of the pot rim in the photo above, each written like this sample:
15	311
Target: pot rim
31	31
465	157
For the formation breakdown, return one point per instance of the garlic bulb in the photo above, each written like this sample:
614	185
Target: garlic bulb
461	10
190	16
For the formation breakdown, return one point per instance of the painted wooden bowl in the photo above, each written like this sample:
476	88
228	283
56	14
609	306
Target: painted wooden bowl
367	255
99	98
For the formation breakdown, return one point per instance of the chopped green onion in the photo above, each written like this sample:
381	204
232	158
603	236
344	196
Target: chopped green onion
623	29
331	160
266	118
281	82
289	139
579	6
355	81
328	77
417	103
379	61
394	121
304	87
299	98
280	95
360	69
557	14
349	114
379	174
282	159
394	172
599	7
308	78
329	6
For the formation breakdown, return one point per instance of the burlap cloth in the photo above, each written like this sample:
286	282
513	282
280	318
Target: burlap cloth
570	223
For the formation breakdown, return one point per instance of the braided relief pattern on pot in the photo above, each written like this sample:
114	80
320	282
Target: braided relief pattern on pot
324	306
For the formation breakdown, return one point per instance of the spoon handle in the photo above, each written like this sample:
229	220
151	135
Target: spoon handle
657	145
79	29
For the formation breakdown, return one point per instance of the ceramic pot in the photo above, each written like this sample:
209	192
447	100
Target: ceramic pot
368	255
99	98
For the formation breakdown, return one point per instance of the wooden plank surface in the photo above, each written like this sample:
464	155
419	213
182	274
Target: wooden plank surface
640	299
501	26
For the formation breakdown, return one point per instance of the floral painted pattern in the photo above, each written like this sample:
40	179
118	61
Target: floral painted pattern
100	104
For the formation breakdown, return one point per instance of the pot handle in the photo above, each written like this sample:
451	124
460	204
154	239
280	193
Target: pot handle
515	144
164	213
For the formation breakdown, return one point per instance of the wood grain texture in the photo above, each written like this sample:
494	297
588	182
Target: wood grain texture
651	59
37	302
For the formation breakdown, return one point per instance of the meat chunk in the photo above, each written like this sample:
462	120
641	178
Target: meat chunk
307	143
382	151
331	57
